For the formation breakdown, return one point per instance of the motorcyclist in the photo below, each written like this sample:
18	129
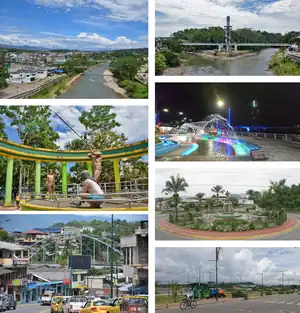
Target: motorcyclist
246	296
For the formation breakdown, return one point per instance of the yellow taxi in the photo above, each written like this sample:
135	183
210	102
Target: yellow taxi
57	304
92	306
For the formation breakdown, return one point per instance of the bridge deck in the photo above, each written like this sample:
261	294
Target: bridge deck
236	44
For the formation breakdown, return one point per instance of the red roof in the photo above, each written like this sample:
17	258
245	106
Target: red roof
35	232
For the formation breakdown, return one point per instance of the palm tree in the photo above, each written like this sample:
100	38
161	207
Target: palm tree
199	197
217	190
174	186
227	194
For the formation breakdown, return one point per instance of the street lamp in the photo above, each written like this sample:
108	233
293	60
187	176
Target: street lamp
166	110
180	113
220	103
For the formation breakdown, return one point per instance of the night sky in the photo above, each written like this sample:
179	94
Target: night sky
279	103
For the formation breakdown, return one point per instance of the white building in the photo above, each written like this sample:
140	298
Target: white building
27	76
135	252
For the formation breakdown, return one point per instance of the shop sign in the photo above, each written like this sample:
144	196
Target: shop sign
79	285
9	284
67	281
20	261
16	282
24	281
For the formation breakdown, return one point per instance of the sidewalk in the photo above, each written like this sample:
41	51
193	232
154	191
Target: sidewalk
289	225
201	302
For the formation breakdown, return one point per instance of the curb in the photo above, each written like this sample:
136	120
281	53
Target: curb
212	237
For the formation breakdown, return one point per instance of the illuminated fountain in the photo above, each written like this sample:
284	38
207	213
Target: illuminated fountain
214	125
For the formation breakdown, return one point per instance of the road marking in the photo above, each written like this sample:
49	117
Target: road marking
298	303
44	311
281	302
290	302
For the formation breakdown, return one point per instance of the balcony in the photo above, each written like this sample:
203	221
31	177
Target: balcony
14	262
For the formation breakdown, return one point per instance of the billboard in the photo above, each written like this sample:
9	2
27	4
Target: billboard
80	262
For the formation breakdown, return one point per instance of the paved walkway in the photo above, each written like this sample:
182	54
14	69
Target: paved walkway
287	226
9	208
201	302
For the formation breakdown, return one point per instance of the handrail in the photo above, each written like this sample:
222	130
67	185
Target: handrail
276	136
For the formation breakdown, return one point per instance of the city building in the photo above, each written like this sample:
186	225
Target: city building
31	237
87	229
135	259
26	75
14	260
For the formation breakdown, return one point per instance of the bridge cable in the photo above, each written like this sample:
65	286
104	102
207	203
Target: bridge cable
72	129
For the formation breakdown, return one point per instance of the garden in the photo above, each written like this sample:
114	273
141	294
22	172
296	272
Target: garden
224	212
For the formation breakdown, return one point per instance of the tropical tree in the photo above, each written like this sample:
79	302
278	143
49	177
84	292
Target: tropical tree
174	186
218	189
199	196
33	126
209	204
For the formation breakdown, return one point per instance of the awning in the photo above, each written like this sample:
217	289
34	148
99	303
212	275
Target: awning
139	290
4	271
125	287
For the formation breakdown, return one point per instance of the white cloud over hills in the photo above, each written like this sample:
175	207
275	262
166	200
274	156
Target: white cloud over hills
272	16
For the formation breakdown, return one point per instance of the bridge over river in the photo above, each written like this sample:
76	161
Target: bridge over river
236	45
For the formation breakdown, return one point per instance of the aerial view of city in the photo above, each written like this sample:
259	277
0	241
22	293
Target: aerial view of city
73	49
227	122
73	263
211	37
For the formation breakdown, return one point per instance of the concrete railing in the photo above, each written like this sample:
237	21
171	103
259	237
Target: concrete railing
33	91
284	137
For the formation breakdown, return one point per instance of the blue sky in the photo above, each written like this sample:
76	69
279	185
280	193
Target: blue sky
269	15
236	264
74	24
23	222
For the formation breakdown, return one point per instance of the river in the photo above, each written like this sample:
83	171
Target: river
256	65
90	86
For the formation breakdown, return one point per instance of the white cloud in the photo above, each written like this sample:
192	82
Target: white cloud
133	120
83	40
236	181
121	10
236	264
279	16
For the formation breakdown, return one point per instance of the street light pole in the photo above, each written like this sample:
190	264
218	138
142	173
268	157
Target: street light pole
262	283
199	274
111	258
217	259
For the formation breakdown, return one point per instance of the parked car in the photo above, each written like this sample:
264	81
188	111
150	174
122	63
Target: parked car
46	298
99	306
11	303
74	304
3	303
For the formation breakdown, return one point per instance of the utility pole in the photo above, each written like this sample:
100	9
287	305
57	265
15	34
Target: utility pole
199	274
217	260
111	259
262	283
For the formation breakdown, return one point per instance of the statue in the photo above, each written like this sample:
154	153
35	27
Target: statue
227	207
97	159
51	182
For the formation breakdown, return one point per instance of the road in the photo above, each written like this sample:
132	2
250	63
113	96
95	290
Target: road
271	304
32	308
162	235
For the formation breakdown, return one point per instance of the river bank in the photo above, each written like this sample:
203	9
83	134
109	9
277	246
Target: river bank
224	55
248	64
281	66
112	83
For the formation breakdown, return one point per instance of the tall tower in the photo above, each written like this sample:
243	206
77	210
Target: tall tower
227	29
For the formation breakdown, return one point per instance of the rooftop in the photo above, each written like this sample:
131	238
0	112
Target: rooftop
35	232
11	246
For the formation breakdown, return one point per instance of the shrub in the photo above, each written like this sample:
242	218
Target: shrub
281	292
205	227
238	294
269	293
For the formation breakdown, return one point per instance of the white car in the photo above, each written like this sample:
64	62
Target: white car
74	304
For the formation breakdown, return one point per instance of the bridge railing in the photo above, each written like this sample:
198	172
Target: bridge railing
284	137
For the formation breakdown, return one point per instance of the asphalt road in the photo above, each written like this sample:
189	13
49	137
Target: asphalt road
272	304
162	235
31	308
